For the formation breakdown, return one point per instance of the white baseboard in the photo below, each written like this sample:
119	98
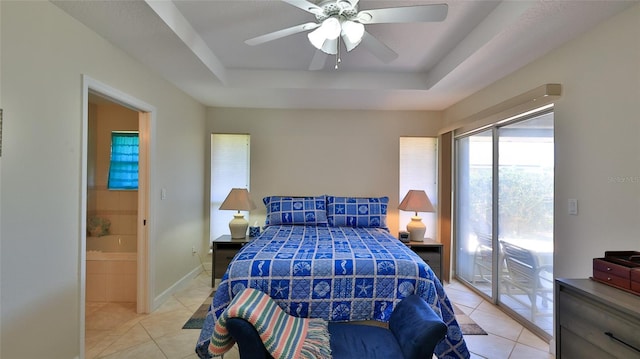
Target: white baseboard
162	297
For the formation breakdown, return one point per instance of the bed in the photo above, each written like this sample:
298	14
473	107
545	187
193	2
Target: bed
334	263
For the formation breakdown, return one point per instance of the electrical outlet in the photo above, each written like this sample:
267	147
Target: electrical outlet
193	250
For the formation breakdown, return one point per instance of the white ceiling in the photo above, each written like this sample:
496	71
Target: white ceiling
199	46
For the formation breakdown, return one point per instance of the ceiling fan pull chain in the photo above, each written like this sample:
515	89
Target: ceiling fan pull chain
338	60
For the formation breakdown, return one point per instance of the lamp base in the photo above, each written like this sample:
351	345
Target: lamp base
238	226
416	229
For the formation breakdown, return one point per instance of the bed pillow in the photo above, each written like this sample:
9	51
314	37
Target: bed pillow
296	210
357	211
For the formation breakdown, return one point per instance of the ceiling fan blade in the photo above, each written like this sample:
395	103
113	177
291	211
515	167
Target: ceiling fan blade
378	48
420	13
281	33
318	61
305	5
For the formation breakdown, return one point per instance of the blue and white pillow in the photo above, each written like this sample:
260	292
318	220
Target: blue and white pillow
357	211
296	210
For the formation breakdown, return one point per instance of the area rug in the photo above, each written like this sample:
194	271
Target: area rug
197	319
467	325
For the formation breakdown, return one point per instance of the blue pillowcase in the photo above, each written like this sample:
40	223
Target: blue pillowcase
357	211
296	210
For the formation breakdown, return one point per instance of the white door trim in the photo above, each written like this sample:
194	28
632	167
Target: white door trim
146	215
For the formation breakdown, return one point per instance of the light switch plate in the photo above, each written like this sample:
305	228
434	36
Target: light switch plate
573	206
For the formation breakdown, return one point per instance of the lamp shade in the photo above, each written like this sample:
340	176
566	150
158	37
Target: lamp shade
416	201
238	200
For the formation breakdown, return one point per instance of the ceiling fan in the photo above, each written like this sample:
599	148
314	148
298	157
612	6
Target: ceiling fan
341	21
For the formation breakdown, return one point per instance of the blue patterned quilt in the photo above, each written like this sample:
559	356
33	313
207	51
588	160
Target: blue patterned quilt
334	273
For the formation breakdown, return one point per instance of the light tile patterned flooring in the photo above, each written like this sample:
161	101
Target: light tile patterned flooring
115	331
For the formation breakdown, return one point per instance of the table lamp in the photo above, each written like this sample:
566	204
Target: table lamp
416	201
238	200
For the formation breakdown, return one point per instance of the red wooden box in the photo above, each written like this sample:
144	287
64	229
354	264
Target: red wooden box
620	269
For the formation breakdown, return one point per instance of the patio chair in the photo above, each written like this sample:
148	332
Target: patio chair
524	273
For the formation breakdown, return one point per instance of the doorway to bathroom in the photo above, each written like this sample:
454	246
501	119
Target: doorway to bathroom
114	259
112	202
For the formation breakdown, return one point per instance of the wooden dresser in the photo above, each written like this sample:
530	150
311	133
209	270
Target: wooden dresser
594	320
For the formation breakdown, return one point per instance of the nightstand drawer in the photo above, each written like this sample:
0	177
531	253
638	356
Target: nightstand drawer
224	249
431	253
432	259
222	258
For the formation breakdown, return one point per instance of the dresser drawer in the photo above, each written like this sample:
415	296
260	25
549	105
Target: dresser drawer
591	321
575	347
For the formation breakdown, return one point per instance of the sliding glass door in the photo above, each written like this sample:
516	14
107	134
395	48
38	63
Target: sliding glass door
525	219
474	210
504	216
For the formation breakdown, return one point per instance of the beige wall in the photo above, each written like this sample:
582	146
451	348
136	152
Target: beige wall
44	55
597	136
314	152
45	52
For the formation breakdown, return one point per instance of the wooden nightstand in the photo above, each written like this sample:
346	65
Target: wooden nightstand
224	249
431	252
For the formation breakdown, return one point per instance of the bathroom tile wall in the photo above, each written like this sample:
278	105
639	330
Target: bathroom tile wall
120	207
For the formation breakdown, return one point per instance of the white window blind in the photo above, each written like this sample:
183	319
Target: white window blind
229	169
418	168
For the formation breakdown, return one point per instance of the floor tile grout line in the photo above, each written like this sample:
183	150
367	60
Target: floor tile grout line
182	298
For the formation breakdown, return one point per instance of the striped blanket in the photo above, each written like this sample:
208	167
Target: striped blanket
284	336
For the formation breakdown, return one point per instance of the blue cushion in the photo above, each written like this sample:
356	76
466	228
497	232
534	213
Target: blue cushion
249	343
357	211
296	210
417	328
355	341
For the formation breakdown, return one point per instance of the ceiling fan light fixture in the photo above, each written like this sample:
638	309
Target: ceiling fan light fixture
331	28
330	46
325	37
316	38
349	44
352	33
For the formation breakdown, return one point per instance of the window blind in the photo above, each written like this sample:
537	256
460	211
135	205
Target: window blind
229	169
418	168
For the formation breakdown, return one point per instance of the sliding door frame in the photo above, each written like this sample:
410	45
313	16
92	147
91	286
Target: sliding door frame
494	298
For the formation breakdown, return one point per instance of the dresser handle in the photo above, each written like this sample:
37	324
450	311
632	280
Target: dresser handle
610	335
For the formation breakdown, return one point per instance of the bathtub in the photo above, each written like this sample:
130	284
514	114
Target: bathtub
111	268
112	246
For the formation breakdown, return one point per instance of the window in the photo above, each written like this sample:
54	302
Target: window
418	168
229	169
123	167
